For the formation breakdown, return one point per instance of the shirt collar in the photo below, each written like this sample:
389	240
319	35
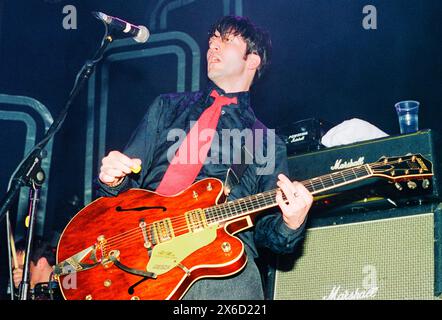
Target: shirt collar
243	96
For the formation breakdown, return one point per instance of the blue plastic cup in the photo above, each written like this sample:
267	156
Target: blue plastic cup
407	112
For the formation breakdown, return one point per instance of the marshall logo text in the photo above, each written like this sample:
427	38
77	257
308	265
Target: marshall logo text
338	294
339	165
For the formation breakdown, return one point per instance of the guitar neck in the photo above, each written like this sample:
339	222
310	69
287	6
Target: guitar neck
248	205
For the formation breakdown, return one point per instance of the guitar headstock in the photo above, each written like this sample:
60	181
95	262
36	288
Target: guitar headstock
407	167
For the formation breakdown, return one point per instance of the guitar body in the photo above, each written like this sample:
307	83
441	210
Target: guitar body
142	245
176	251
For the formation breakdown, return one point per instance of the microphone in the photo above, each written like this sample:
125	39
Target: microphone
138	33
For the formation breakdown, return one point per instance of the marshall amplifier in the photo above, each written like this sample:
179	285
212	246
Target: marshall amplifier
376	240
372	193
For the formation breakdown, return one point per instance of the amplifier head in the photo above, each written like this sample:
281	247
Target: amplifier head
371	193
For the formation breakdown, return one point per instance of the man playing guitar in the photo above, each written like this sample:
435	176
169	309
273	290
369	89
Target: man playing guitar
238	53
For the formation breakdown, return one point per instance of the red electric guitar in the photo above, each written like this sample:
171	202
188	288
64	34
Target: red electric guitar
141	245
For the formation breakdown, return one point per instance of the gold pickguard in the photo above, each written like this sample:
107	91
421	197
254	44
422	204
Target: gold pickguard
167	255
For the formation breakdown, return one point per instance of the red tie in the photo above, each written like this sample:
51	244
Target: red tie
192	153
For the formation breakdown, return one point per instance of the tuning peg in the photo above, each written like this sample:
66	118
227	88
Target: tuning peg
425	183
398	186
411	185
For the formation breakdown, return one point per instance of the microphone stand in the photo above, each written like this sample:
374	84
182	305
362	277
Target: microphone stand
29	172
34	197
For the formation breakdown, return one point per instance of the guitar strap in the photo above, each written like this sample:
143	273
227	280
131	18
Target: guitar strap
236	170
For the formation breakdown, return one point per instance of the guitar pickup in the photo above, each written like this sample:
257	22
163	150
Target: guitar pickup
162	230
196	220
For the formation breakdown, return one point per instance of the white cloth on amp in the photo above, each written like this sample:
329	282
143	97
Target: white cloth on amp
351	131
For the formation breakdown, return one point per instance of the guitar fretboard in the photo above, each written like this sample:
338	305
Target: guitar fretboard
247	205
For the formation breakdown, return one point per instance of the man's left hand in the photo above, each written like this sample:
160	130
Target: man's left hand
298	203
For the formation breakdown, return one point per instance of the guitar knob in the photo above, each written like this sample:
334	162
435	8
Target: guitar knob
107	283
226	247
425	183
411	185
398	186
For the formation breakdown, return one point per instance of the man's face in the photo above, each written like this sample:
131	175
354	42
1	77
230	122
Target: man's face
226	57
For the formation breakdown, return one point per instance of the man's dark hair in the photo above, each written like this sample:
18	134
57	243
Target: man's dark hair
257	40
40	249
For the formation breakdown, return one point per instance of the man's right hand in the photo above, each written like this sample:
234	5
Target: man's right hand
17	276
115	166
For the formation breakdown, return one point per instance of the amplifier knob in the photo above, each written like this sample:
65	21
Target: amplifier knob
411	185
425	183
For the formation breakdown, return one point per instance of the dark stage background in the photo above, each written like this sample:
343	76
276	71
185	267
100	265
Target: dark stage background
325	65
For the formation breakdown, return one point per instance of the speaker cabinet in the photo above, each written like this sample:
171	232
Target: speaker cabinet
386	255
